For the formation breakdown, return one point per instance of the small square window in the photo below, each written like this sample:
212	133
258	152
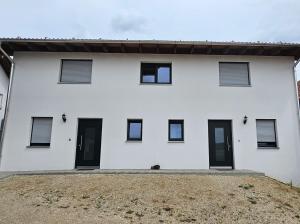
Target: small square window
76	71
266	133
41	131
134	129
156	73
176	130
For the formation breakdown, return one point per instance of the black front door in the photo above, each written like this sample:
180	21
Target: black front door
220	143
88	143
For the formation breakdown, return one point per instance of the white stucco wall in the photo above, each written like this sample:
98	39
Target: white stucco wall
116	95
3	91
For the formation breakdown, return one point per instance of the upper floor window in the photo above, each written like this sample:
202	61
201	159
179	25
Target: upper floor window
234	74
76	71
266	133
160	73
134	129
41	131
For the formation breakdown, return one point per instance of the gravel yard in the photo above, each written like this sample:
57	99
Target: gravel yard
146	199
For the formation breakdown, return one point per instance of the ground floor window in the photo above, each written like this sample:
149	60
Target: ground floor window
266	133
176	130
41	131
134	129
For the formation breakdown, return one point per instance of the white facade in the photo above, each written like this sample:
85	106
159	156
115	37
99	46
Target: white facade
116	95
3	91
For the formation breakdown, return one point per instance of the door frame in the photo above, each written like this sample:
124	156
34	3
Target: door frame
76	135
232	145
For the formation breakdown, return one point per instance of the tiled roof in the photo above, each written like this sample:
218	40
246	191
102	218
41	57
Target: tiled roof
94	40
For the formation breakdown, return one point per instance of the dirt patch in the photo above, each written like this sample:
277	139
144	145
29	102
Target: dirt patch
147	199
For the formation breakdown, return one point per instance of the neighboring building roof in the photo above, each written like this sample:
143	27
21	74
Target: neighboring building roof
151	46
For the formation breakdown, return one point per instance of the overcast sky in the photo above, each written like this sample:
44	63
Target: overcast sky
238	20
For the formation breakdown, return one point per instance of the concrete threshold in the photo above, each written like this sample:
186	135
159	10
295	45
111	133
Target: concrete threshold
137	171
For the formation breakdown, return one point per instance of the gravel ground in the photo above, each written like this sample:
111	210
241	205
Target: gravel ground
147	199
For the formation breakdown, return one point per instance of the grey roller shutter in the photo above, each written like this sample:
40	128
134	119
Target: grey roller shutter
76	71
41	130
265	131
234	74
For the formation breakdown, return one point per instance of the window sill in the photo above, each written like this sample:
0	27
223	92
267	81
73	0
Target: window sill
268	147
38	146
133	141
175	141
74	83
234	85
156	84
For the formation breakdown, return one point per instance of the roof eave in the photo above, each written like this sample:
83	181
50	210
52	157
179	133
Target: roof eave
152	46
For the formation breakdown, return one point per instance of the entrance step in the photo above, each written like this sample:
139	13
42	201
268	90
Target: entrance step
222	172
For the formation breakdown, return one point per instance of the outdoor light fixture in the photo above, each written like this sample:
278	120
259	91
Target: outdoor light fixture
64	117
245	119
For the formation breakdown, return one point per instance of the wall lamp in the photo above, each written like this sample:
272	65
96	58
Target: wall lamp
64	117
245	119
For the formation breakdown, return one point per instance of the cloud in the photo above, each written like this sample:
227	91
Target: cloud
128	22
239	20
279	22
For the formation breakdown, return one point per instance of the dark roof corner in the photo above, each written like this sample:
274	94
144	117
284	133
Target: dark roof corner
5	63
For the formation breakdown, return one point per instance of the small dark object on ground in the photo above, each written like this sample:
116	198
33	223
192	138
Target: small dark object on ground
167	209
155	167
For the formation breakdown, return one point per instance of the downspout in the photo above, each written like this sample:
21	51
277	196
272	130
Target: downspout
298	110
297	98
7	98
295	77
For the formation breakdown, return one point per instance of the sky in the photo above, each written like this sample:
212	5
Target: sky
214	20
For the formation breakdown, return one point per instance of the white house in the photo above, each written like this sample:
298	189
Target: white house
106	104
